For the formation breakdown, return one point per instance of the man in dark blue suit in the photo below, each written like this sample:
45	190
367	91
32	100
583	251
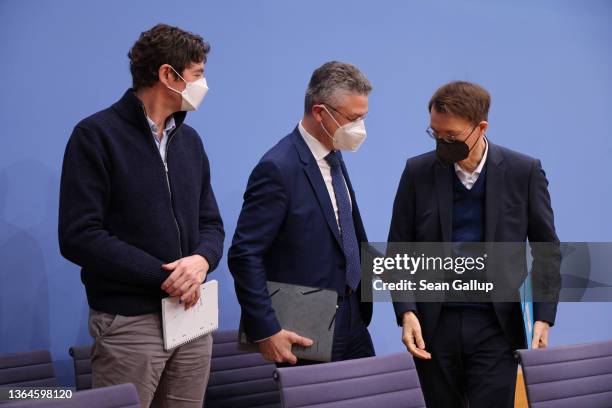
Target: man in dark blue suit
300	222
471	190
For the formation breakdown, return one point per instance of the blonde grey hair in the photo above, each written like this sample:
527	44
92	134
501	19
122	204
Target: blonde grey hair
333	80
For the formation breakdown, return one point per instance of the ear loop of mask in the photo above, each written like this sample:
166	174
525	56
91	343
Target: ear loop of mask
334	119
474	145
179	75
484	137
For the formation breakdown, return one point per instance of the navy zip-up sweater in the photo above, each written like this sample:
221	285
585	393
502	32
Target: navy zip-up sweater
122	216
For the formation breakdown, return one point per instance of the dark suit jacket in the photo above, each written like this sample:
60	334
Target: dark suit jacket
517	208
287	232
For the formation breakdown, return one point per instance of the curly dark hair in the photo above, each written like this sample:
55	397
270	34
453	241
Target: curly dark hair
164	44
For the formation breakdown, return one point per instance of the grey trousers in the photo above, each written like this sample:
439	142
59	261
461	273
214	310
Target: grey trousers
130	349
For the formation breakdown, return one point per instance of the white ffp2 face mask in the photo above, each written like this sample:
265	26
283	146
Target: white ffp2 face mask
193	94
347	137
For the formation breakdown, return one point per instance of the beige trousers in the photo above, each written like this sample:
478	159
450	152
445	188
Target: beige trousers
130	349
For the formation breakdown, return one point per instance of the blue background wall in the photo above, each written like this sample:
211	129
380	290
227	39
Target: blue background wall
547	64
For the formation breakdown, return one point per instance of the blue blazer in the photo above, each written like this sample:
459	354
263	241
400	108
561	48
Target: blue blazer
517	208
287	232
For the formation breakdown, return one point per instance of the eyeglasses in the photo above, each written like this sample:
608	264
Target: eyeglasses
449	138
346	117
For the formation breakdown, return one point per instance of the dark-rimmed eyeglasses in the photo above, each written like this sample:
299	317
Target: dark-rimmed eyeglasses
448	138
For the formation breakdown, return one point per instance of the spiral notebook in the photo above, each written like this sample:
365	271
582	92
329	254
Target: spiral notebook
181	326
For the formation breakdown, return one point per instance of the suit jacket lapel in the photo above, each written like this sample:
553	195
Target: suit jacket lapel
444	193
311	168
496	172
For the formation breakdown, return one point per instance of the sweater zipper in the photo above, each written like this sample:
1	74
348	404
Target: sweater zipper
178	230
165	166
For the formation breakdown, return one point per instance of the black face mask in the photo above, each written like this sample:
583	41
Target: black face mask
449	153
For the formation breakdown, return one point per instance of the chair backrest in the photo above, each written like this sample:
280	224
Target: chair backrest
568	376
116	396
387	381
81	356
28	369
238	378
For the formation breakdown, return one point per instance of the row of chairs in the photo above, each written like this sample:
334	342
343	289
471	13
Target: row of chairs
238	379
244	379
567	376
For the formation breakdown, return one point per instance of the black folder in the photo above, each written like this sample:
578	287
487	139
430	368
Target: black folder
307	311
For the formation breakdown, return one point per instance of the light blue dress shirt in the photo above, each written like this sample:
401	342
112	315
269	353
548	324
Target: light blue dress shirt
161	144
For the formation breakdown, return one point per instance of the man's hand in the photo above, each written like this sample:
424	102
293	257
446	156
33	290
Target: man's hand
412	336
187	274
193	299
278	347
540	335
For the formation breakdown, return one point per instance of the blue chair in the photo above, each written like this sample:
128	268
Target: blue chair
81	356
238	378
387	381
27	369
568	376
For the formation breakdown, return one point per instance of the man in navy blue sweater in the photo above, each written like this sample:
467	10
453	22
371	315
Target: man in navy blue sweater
138	214
470	190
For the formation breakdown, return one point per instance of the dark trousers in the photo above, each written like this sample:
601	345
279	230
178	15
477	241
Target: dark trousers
351	336
472	364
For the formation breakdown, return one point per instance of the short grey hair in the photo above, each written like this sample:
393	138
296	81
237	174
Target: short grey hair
331	81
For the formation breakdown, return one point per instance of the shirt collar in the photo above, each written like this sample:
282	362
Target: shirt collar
480	165
170	124
319	151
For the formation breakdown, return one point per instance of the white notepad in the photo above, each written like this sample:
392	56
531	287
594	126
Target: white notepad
181	326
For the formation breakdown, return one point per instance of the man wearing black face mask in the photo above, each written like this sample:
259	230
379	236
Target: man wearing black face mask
470	190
